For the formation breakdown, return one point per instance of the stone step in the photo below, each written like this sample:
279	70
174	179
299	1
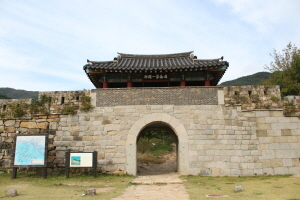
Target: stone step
158	179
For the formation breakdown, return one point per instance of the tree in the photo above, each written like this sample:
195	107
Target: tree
286	70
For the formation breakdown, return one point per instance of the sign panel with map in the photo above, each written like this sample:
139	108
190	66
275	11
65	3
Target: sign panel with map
30	150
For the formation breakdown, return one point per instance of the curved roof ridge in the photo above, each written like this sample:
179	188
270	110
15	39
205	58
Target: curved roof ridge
99	62
184	54
215	59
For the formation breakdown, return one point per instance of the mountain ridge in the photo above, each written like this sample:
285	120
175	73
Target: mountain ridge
12	93
254	79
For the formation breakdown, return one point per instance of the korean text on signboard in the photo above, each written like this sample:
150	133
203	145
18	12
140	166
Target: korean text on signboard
155	76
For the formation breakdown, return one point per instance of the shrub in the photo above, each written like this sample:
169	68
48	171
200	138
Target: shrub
86	104
69	109
275	99
18	110
289	108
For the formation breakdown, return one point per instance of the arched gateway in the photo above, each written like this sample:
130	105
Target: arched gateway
140	124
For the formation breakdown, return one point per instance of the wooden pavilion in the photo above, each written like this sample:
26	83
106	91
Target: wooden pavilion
163	70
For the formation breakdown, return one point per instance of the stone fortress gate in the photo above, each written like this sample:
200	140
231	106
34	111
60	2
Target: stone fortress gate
220	131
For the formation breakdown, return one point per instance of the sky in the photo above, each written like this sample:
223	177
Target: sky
45	44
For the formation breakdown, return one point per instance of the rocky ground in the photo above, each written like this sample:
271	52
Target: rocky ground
168	166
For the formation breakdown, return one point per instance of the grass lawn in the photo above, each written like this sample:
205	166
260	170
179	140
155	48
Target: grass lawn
108	186
58	187
255	187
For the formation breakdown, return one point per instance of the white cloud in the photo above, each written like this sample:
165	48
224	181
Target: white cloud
54	38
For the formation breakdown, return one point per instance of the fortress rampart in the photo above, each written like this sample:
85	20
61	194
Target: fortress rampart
228	131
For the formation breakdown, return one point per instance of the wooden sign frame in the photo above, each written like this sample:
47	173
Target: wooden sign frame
27	152
81	160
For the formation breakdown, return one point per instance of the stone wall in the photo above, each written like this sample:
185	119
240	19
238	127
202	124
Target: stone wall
291	106
158	96
61	99
217	140
9	128
7	105
253	97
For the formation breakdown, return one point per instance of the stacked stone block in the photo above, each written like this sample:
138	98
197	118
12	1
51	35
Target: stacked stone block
253	97
63	98
221	140
9	128
5	109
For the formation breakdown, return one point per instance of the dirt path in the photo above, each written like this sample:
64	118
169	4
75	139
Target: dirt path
155	187
168	166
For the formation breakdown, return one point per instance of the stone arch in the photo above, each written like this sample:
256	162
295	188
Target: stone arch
174	124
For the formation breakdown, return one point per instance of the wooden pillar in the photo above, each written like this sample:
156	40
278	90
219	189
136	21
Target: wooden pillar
129	84
105	84
182	83
207	82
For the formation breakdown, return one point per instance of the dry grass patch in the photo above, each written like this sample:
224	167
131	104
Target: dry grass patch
255	187
150	158
58	187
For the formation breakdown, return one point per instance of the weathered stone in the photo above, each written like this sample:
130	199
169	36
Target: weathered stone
28	125
33	130
238	188
77	138
262	133
43	125
10	129
91	191
52	153
50	159
53	116
10	122
12	193
9	139
286	132
53	125
51	147
1	129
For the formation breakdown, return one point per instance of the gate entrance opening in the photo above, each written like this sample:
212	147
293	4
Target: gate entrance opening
157	150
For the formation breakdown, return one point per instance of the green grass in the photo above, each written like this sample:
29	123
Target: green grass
31	186
255	187
152	150
161	149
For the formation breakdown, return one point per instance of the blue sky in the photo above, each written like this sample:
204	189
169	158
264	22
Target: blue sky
45	44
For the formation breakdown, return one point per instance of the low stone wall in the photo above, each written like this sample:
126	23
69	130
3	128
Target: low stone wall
291	105
253	97
64	98
7	106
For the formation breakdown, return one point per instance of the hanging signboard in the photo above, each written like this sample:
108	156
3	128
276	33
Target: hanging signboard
160	76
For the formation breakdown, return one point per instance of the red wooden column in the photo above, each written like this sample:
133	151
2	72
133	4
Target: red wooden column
105	84
207	82
129	84
182	83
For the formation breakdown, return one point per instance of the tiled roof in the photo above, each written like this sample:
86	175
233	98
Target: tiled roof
130	62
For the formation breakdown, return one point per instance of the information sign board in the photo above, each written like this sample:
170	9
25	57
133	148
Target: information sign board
30	150
81	159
